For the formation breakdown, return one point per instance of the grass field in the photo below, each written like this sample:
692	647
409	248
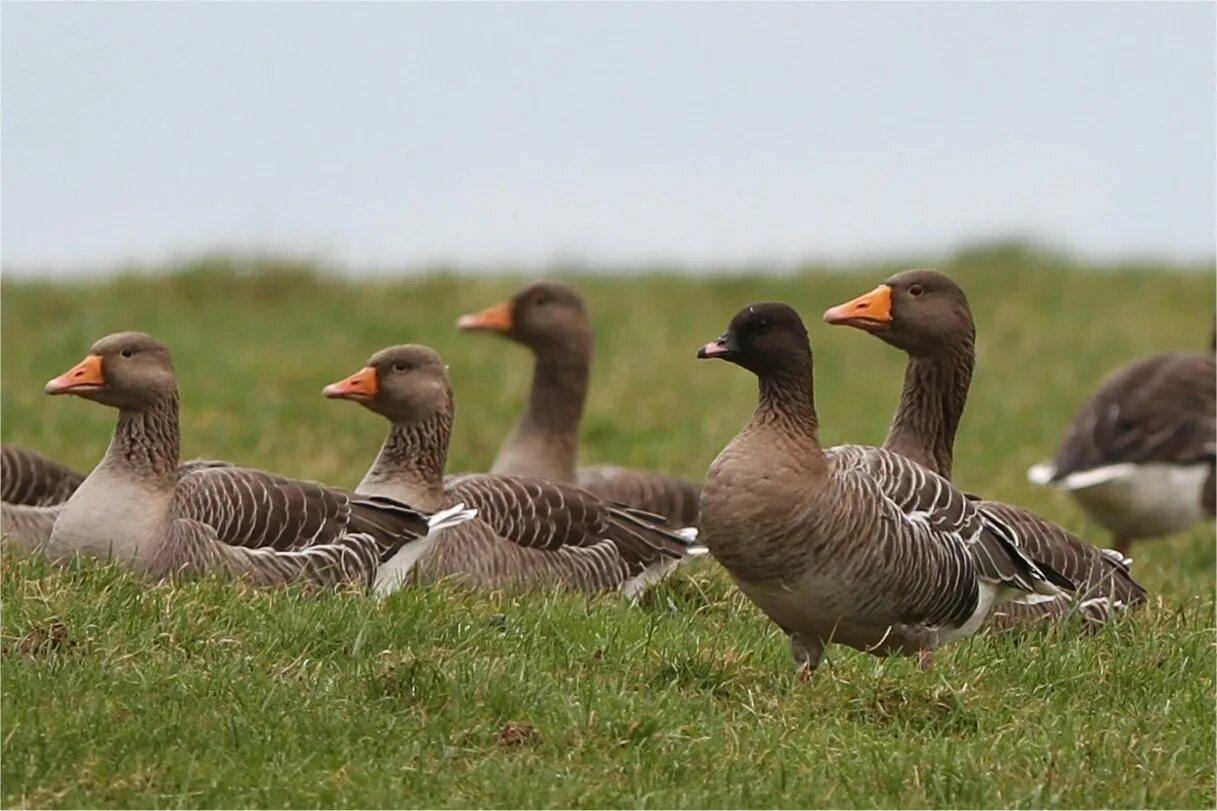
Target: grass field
120	694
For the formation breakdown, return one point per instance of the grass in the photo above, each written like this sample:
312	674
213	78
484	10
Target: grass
116	693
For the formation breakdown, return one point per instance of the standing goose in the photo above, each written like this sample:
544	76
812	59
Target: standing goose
551	320
852	544
529	531
29	477
1140	455
138	507
926	314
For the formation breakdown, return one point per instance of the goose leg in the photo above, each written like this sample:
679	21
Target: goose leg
807	654
1122	545
925	659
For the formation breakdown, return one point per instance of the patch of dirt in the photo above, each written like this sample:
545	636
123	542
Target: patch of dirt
518	734
41	640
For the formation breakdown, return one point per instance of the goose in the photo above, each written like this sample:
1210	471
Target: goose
1139	457
529	531
551	319
29	477
140	509
926	314
853	544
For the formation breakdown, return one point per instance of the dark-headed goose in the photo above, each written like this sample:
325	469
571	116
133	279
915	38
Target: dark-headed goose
551	320
140	509
852	544
29	477
926	314
529	531
1139	457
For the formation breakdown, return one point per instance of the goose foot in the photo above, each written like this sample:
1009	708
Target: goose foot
807	655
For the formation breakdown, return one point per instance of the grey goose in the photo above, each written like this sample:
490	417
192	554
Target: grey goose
29	477
853	544
1139	457
529	531
140	509
551	320
926	314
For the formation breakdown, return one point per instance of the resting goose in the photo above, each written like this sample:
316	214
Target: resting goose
926	314
529	531
139	508
1139	457
853	544
551	320
29	477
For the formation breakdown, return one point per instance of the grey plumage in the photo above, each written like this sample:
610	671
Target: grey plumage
29	477
855	545
551	320
925	314
529	531
143	510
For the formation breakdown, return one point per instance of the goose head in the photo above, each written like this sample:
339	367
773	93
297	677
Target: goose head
406	384
766	339
126	370
920	311
540	316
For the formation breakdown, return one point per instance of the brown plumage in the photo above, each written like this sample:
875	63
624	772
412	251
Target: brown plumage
1140	456
29	477
529	531
855	545
139	508
551	320
926	314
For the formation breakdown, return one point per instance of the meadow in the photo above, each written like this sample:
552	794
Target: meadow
120	694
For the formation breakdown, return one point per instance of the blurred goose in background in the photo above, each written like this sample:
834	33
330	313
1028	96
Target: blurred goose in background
529	531
551	319
853	544
29	477
1139	457
140	509
926	314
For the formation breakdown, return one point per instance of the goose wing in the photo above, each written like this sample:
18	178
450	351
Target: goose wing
29	477
1159	409
952	544
546	515
674	498
195	549
256	509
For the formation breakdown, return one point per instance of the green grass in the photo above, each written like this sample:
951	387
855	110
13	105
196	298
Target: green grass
116	693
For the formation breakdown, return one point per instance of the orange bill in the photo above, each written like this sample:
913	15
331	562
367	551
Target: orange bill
495	319
83	377
360	386
870	309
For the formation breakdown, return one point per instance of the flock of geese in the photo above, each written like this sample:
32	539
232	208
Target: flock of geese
874	548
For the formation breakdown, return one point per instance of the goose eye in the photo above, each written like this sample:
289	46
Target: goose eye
126	353
542	300
763	325
916	290
399	367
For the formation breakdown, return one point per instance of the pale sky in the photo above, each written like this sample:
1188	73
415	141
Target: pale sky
393	135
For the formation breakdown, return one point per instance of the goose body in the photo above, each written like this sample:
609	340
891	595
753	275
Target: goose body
926	314
1139	456
551	320
140	508
31	478
529	531
852	544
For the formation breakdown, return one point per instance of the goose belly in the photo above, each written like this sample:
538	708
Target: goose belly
831	609
120	520
1141	501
